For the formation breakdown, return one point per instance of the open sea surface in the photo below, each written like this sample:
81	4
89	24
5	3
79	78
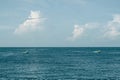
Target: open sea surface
60	63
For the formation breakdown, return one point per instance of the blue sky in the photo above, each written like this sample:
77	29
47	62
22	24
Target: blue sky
59	23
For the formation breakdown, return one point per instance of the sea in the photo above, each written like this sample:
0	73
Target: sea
59	63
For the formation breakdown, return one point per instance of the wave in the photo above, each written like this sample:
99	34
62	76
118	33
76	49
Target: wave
77	51
4	54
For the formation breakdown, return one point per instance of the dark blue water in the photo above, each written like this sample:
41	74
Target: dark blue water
59	64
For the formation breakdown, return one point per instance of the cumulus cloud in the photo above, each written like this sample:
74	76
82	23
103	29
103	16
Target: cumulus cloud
80	30
77	32
113	28
109	30
32	23
116	18
112	33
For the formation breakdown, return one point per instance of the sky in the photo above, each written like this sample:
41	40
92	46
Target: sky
59	23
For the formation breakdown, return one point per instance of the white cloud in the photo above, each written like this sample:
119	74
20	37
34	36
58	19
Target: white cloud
112	33
77	32
91	26
33	23
113	28
116	18
110	30
81	30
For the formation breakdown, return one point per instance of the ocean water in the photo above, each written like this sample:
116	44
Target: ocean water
61	63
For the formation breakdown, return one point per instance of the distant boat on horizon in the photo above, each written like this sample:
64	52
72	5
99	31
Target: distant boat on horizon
26	52
97	51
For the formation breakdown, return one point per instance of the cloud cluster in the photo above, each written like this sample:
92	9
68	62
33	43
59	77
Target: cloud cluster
32	23
110	30
80	30
77	32
113	28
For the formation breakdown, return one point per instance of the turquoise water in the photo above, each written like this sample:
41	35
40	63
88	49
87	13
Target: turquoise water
59	63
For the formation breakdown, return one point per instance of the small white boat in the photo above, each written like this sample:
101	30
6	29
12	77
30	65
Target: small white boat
26	52
98	51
